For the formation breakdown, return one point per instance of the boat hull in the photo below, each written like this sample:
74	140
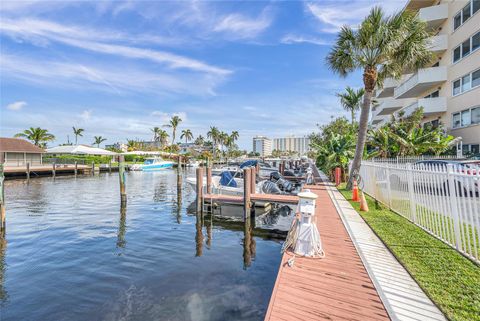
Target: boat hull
157	167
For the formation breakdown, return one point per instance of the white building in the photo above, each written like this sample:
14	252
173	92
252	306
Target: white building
448	89
262	145
299	145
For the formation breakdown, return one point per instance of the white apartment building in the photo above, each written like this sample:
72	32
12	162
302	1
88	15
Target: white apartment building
300	145
262	145
449	89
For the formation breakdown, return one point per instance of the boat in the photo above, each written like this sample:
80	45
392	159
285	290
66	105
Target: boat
265	168
152	164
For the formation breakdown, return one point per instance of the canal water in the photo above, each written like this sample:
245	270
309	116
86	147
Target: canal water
72	253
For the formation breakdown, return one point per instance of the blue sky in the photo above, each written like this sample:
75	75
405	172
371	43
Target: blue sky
119	68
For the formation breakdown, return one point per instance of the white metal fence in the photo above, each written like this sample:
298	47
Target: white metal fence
443	199
412	159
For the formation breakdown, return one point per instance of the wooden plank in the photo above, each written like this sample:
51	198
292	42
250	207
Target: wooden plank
336	287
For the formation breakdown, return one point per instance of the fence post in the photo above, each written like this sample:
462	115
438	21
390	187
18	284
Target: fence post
454	206
389	188
411	193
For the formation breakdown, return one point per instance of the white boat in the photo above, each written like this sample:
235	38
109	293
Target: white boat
152	164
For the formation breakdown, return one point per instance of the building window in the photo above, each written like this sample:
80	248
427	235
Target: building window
475	149
468	46
466	83
466	117
476	115
456	120
463	15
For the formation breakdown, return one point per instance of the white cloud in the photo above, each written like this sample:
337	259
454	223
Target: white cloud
111	78
294	39
16	105
40	32
165	117
86	115
333	16
241	26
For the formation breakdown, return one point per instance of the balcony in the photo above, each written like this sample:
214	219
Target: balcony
420	82
431	106
434	16
389	85
378	119
389	106
438	44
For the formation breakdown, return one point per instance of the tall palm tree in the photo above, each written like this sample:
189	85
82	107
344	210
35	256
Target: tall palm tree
214	135
77	132
382	47
351	100
174	122
155	130
187	134
234	135
98	140
37	136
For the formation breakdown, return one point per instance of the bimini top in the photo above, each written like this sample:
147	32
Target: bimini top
249	163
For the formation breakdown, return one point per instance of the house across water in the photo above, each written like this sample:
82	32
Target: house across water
19	152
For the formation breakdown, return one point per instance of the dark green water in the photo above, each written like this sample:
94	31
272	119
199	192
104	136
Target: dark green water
71	253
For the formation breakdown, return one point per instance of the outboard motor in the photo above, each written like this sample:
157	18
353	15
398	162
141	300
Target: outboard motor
269	187
281	182
288	173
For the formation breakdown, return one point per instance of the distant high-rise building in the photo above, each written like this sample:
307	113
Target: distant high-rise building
299	145
262	145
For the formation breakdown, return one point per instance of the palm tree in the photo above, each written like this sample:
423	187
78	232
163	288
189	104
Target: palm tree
187	134
155	131
174	122
98	140
77	132
351	100
234	135
37	136
382	47
199	141
162	137
214	135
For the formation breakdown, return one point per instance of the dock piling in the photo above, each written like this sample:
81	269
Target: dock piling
247	191
121	174
93	168
110	166
54	166
253	175
76	168
2	200
199	188
28	172
209	180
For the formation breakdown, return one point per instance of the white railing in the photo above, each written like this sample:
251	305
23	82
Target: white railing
442	199
412	159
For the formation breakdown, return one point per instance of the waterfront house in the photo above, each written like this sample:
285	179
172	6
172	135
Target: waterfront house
19	152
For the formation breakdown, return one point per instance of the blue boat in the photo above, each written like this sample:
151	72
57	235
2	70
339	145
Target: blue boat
153	164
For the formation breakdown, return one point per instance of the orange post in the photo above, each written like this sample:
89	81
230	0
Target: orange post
355	196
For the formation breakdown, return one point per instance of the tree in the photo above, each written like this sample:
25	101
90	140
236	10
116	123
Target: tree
337	152
234	135
162	137
382	47
98	140
38	136
214	135
77	132
155	130
174	122
187	135
351	100
199	141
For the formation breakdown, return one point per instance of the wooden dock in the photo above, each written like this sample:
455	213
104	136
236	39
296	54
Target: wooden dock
336	287
271	198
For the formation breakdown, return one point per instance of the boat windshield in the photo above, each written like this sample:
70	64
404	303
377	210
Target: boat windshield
149	161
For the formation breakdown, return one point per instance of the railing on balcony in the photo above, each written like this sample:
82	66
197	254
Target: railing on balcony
421	80
434	16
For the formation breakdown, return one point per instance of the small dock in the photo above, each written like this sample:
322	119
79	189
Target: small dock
336	287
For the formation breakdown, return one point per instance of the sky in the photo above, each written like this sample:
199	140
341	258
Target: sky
119	68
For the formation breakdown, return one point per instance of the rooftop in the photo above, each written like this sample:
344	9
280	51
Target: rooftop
18	145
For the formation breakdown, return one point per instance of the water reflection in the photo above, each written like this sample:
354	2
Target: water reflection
248	243
178	205
199	234
3	250
122	226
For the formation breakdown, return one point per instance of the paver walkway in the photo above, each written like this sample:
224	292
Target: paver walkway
336	287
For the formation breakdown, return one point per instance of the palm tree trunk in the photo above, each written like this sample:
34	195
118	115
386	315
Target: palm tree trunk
353	116
362	135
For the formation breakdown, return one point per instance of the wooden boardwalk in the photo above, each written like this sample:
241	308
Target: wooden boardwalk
336	287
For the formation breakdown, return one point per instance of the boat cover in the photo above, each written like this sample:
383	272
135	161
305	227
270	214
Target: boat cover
226	179
249	163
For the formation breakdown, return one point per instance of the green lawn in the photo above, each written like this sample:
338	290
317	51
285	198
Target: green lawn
449	279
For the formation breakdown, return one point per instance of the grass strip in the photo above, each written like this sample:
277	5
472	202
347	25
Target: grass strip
448	278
